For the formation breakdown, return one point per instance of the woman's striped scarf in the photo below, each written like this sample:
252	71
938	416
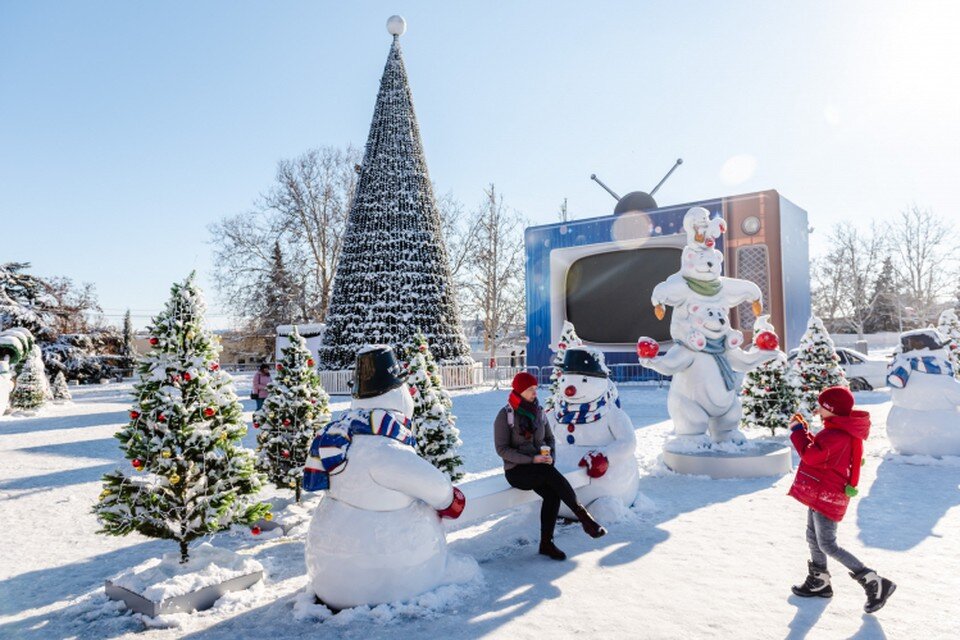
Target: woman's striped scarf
587	412
328	451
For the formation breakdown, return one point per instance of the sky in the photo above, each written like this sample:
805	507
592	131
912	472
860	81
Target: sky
127	128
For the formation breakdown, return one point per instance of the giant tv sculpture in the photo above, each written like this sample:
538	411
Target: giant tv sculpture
706	361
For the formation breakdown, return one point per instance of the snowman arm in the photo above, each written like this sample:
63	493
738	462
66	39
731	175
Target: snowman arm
404	471
677	359
744	361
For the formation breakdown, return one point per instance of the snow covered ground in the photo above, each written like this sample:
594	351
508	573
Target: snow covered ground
695	558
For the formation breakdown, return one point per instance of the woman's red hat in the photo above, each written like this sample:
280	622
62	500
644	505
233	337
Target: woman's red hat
523	381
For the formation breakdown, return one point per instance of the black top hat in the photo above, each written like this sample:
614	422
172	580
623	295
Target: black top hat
376	372
582	361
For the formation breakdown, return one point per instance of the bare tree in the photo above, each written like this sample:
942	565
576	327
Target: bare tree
496	277
304	214
924	249
845	276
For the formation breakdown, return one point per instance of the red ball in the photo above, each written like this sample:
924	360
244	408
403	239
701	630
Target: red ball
136	462
134	415
255	530
154	341
285	453
286	422
570	391
161	418
256	425
186	376
279	367
310	362
766	341
423	348
413	391
209	412
562	345
647	347
214	366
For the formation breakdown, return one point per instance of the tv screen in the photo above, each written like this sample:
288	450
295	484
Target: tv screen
608	294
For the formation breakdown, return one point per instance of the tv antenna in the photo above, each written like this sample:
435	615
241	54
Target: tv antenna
636	200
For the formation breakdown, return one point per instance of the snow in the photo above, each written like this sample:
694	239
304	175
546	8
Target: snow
158	579
694	558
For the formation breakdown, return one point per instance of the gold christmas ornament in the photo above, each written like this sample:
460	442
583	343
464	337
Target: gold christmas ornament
165	453
174	479
268	516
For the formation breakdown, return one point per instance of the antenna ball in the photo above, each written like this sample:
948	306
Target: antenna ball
679	160
396	25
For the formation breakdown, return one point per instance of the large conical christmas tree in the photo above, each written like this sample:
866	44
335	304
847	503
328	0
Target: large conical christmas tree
296	406
815	368
393	276
190	475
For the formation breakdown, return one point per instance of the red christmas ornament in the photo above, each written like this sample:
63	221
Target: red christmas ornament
279	367
256	425
413	391
186	377
137	463
209	412
423	348
154	341
562	345
134	415
310	362
161	418
647	347
766	341
255	530
285	453
214	366
286	422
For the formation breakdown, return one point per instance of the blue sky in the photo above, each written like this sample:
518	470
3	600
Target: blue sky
126	128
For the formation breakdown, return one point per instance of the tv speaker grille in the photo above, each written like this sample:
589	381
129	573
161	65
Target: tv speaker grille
753	264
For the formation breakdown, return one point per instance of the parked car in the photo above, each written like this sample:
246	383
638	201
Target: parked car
864	372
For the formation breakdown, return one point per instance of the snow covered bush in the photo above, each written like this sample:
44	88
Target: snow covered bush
59	388
295	407
190	474
32	388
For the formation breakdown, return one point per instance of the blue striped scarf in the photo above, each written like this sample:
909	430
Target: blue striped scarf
903	366
587	412
328	451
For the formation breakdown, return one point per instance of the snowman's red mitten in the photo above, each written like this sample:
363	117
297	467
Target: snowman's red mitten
456	505
596	464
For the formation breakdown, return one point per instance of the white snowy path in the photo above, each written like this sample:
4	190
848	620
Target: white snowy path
695	559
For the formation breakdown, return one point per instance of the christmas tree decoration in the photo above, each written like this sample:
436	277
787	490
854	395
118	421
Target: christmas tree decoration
768	397
815	367
32	388
207	481
433	424
568	338
295	408
949	326
61	393
393	278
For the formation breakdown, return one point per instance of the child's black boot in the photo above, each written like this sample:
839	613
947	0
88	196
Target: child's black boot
817	583
878	589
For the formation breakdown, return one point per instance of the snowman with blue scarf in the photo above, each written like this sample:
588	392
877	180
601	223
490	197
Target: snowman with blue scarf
592	431
376	535
924	417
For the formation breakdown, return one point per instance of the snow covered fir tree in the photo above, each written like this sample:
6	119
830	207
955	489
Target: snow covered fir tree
190	475
949	326
32	389
295	407
568	338
815	368
768	397
393	277
433	424
61	392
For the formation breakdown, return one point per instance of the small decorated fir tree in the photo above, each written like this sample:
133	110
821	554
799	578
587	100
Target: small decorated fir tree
296	406
769	399
32	387
433	424
190	474
949	326
568	338
59	388
815	368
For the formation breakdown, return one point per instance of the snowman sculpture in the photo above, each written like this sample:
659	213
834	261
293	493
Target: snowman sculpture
592	431
15	345
924	417
376	535
705	359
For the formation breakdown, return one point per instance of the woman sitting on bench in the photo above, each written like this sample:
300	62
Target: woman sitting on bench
524	440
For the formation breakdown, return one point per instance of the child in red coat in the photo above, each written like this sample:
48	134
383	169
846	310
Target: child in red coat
826	479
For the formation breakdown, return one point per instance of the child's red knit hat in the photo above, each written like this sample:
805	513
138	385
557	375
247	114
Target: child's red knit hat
836	400
523	381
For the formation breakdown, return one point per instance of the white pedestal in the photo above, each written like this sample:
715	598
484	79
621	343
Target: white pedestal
760	460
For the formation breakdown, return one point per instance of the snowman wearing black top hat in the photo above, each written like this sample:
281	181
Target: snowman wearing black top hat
592	431
376	536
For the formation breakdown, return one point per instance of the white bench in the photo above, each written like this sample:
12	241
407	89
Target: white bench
487	496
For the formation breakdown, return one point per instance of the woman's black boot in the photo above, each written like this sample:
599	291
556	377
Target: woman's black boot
593	528
550	550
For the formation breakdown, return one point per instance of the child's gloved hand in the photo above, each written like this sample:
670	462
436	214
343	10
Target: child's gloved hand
797	422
